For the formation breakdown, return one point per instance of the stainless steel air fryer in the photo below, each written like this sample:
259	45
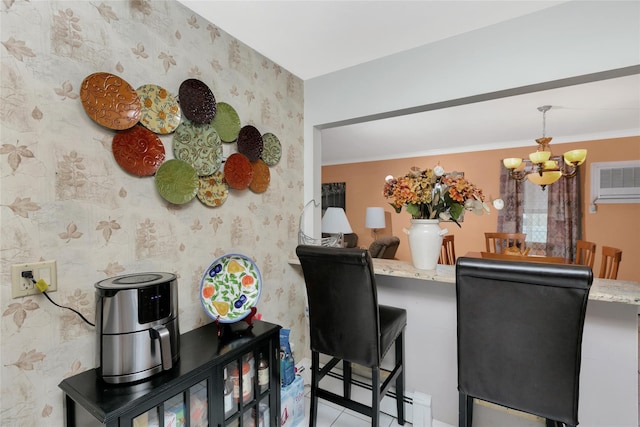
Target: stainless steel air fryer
136	326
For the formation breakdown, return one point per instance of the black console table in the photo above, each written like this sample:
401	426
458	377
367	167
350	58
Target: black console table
198	391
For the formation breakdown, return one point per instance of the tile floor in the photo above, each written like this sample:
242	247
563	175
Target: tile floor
331	415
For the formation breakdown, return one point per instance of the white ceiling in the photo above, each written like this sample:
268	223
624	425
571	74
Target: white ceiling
313	38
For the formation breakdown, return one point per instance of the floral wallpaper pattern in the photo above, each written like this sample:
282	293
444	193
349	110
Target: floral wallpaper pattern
63	196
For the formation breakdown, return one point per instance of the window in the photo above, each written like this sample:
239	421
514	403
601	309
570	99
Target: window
534	218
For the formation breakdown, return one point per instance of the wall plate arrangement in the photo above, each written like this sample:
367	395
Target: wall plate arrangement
199	124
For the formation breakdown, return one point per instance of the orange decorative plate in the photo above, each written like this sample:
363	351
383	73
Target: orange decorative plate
238	171
160	110
261	177
110	101
138	151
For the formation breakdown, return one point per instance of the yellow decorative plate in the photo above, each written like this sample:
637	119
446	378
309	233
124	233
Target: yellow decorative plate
213	190
161	112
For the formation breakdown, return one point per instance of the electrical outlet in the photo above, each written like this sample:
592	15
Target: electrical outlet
21	286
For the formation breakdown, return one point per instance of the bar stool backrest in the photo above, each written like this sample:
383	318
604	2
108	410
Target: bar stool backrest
520	331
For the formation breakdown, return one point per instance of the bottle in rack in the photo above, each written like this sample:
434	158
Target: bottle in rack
228	394
242	374
263	373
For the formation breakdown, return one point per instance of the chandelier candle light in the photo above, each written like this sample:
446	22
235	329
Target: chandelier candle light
542	168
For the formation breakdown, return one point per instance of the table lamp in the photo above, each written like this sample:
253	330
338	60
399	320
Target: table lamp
375	220
335	221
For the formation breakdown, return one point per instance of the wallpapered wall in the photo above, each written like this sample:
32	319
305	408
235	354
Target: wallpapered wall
64	197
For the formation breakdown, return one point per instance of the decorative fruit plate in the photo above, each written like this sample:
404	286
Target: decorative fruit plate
230	287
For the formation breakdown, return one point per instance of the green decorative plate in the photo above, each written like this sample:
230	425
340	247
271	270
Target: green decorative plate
230	287
272	150
177	181
226	122
198	145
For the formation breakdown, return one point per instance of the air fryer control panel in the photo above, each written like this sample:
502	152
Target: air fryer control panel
154	303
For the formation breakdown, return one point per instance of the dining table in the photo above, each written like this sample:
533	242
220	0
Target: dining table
518	257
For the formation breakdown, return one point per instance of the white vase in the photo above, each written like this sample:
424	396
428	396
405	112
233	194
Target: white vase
425	241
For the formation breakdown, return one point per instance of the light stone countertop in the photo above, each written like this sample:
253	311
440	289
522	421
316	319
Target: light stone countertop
619	291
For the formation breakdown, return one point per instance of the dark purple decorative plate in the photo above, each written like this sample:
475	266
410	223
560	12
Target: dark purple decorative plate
250	142
197	101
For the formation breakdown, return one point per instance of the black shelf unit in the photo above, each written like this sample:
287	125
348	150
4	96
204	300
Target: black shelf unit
204	357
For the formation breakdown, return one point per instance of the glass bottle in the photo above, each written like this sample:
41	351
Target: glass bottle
263	373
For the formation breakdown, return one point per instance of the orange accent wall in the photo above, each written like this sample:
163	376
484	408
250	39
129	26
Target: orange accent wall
616	225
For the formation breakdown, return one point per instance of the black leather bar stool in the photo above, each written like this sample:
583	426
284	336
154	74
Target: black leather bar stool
347	324
520	330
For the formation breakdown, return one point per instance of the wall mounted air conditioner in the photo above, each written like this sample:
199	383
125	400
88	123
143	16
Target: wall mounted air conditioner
615	182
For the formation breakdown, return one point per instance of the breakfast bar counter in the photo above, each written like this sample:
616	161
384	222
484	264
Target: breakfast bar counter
619	291
609	374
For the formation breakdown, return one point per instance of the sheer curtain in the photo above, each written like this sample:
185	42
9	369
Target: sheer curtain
563	217
564	212
512	192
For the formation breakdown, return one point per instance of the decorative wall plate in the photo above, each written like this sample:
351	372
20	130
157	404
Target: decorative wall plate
213	190
226	122
177	181
261	177
138	151
161	112
110	101
250	142
272	151
238	171
197	101
199	145
230	287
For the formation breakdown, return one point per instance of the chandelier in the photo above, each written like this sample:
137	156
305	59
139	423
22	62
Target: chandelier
542	168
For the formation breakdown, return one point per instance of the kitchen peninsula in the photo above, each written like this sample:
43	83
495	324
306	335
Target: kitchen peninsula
608	379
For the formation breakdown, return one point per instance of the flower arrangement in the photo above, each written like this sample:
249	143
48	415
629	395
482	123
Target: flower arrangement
430	194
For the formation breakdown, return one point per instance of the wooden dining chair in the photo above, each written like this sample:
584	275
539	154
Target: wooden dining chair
499	242
611	258
448	251
585	253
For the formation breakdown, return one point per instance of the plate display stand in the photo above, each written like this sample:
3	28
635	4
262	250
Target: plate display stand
223	328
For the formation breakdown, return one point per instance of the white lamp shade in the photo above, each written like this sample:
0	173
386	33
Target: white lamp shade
375	218
335	221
